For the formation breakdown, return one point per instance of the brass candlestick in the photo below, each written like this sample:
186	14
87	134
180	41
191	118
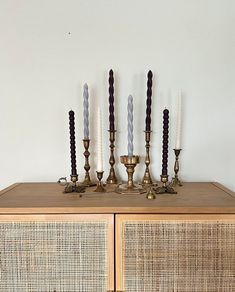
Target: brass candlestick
87	180
147	180
73	186
100	188
130	188
165	188
112	176
150	194
175	179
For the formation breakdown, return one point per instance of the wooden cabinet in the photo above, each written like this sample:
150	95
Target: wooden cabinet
54	242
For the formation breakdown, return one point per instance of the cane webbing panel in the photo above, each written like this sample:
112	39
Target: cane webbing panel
53	256
178	256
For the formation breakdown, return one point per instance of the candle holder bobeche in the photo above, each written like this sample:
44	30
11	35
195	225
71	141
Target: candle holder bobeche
74	186
130	163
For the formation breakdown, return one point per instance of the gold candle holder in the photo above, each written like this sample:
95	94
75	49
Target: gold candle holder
100	187
150	194
165	188
147	180
175	179
112	176
73	186
130	188
87	180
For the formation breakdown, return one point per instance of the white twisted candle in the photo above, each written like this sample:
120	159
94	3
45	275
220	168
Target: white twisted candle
99	141
86	111
178	123
130	125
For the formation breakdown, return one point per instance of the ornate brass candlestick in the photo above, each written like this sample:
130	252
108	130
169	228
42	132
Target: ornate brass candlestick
112	176
175	179
130	188
165	188
147	180
73	186
100	188
87	180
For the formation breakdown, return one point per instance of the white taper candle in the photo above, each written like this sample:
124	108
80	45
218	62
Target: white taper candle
130	125
86	111
99	141
178	122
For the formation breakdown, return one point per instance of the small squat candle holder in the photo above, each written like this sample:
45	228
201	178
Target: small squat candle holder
100	187
165	188
112	176
175	179
150	194
130	163
87	180
74	186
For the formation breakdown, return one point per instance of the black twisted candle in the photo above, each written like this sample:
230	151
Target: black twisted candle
111	101
165	141
72	143
148	102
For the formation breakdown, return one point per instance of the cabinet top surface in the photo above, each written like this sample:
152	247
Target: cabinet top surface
44	198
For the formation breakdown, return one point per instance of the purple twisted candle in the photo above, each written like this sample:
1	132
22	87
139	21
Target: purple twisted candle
165	141
111	101
148	102
72	143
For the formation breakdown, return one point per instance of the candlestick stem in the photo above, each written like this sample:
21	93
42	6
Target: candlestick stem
87	180
112	176
147	180
175	180
165	188
100	188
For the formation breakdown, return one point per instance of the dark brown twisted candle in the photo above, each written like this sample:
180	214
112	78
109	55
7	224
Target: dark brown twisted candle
148	102
165	141
111	101
72	143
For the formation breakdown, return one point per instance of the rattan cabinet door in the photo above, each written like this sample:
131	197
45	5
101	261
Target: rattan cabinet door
185	253
55	253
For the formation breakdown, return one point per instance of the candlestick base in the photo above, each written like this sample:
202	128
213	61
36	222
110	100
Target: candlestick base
150	195
100	187
129	188
74	186
112	176
165	188
175	180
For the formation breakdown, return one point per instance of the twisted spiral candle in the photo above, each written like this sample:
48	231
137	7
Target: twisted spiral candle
72	143
165	141
130	125
111	101
86	111
148	102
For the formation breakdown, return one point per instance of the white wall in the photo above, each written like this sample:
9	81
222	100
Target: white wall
49	48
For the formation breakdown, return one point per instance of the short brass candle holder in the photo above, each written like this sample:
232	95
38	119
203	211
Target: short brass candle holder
74	186
175	179
87	180
100	187
112	176
130	163
165	188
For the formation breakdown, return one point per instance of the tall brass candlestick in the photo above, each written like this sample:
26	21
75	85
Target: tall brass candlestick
147	180
175	179
87	180
112	176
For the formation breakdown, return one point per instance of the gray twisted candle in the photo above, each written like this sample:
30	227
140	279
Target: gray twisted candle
86	111
130	125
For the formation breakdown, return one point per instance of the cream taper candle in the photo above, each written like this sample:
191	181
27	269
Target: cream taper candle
178	122
99	141
86	111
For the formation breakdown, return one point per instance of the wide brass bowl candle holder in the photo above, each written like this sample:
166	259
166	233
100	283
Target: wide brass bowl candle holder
130	163
74	186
